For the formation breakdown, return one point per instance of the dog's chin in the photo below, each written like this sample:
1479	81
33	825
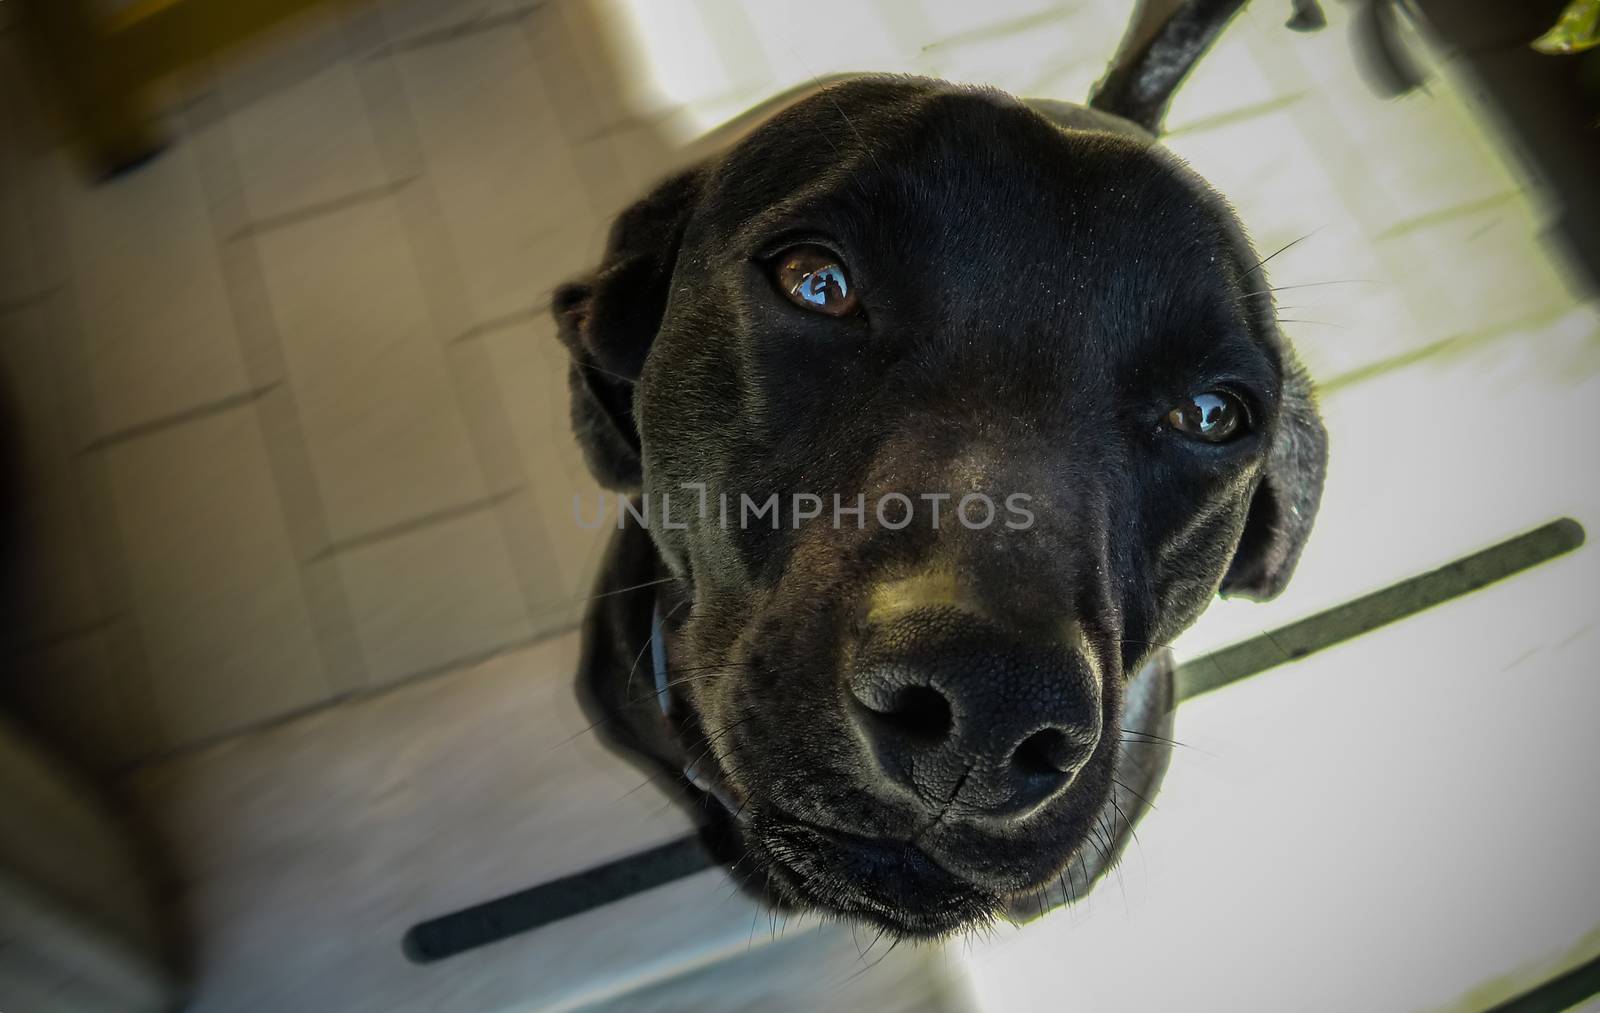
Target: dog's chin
892	884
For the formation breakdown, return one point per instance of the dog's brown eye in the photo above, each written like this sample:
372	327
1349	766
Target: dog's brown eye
1215	416
813	279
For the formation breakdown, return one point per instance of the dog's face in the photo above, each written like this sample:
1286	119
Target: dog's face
915	299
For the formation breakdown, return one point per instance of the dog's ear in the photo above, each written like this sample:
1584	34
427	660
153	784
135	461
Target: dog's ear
1285	502
608	320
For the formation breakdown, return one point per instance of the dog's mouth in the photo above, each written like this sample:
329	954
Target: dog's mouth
794	863
893	884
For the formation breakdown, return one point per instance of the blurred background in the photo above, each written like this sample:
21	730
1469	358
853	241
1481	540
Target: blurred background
292	574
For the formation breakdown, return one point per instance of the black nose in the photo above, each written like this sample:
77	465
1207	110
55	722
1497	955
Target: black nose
966	718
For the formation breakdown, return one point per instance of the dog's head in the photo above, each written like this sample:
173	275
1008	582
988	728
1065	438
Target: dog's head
1043	363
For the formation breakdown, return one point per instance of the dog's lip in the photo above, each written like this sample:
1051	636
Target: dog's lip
834	868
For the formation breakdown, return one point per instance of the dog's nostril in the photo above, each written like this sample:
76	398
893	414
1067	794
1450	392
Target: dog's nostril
1048	751
919	712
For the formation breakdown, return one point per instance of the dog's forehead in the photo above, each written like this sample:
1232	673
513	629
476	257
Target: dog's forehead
980	212
897	169
908	147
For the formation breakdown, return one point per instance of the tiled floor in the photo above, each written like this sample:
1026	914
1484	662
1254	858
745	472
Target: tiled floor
296	433
270	371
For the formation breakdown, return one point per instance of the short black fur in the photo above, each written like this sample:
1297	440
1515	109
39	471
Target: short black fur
1039	283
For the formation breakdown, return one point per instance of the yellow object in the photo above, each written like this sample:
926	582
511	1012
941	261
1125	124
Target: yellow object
105	63
1576	30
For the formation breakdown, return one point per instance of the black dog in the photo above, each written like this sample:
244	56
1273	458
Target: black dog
904	295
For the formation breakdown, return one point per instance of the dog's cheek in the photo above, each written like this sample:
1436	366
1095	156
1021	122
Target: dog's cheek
722	722
802	750
687	417
1184	544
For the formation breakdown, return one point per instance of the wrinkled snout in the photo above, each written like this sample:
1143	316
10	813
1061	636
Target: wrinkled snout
970	717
